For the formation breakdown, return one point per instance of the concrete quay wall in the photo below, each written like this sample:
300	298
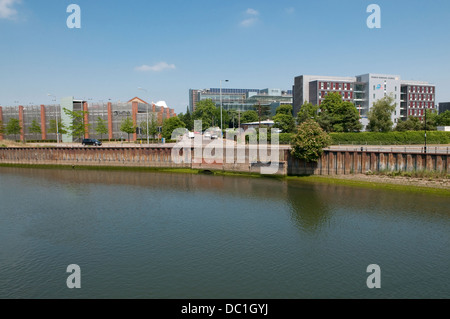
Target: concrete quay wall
332	162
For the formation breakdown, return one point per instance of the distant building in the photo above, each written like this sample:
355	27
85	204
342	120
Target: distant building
241	99
112	113
256	125
411	97
443	107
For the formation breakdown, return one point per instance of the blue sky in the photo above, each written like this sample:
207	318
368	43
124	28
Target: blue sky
169	47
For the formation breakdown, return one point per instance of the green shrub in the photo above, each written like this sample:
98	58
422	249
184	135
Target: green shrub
390	138
286	138
309	142
283	139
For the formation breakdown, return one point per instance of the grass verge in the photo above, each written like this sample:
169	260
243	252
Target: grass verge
371	184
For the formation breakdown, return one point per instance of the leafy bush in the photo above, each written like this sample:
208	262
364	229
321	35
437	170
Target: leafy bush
286	138
309	142
390	138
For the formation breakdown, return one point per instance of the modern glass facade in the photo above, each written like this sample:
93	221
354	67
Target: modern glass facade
239	99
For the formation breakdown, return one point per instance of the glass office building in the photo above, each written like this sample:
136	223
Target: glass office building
240	99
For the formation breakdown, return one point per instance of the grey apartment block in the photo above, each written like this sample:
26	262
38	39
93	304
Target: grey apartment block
377	87
301	89
364	90
416	98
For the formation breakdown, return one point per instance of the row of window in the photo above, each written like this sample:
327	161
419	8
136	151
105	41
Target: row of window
417	112
345	95
421	89
423	97
421	105
335	86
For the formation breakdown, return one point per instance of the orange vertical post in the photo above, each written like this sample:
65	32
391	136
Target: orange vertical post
135	110
161	116
43	128
22	129
110	121
86	120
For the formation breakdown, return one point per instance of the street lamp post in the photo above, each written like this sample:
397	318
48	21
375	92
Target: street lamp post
425	149
148	137
221	122
56	115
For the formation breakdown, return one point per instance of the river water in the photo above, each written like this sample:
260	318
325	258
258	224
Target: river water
162	235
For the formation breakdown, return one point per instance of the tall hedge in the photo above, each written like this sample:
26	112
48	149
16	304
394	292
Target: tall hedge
373	138
390	138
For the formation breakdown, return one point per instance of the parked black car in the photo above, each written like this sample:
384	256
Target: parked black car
91	141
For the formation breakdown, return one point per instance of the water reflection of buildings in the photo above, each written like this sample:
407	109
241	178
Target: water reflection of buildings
237	186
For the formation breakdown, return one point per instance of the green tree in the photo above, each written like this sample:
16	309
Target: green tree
233	116
348	118
13	127
143	128
337	115
170	125
35	128
77	127
309	142
127	126
187	119
225	118
101	128
207	112
307	111
443	119
264	111
380	115
52	127
153	127
431	120
411	124
326	121
284	120
249	117
2	128
284	109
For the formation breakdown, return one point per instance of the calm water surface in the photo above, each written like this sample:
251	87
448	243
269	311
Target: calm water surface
152	235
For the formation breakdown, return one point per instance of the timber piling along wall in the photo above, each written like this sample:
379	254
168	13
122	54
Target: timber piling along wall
356	162
331	163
